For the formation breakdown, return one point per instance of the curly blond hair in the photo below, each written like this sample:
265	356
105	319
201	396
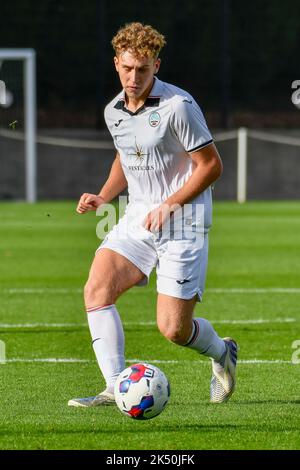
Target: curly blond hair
141	40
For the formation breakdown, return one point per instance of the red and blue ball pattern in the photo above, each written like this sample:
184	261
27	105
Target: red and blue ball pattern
142	391
137	412
138	372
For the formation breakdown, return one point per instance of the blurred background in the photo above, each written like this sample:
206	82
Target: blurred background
237	58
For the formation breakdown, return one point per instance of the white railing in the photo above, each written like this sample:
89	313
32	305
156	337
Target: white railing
29	86
241	135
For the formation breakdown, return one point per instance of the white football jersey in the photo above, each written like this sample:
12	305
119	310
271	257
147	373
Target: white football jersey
154	143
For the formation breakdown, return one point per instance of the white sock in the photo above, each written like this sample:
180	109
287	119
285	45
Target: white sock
205	340
108	342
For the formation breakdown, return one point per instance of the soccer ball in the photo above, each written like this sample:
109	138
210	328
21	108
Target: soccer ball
142	391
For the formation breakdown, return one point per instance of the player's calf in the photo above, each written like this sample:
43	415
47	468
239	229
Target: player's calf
174	318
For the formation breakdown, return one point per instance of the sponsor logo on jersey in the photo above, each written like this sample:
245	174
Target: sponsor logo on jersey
140	168
118	123
154	119
182	281
138	154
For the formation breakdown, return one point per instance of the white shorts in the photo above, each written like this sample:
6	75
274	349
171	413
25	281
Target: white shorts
181	264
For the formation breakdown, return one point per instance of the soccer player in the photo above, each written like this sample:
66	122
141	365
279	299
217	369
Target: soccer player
168	161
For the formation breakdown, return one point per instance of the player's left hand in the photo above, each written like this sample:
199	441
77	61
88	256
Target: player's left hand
156	218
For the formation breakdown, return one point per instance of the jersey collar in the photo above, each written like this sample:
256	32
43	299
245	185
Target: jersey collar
151	101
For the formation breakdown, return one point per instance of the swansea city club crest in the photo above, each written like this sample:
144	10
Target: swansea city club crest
154	119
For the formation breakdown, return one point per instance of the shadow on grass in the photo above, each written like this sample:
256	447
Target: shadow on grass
236	402
265	402
38	330
165	428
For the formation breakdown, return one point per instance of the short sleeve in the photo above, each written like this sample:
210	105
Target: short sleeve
110	124
189	125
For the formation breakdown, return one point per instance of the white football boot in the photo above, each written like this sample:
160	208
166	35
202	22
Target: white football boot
223	373
102	399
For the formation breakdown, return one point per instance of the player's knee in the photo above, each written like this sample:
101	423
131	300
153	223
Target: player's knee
173	333
96	293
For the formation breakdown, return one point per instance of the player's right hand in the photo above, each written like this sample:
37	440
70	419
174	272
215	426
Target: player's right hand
89	202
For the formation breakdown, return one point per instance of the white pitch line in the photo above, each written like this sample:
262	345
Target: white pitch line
48	360
258	290
42	290
257	321
41	325
251	321
150	361
241	361
229	290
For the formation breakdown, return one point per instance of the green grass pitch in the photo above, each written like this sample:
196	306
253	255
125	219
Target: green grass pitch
252	294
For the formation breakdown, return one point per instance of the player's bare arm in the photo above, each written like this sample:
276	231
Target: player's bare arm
114	185
208	168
